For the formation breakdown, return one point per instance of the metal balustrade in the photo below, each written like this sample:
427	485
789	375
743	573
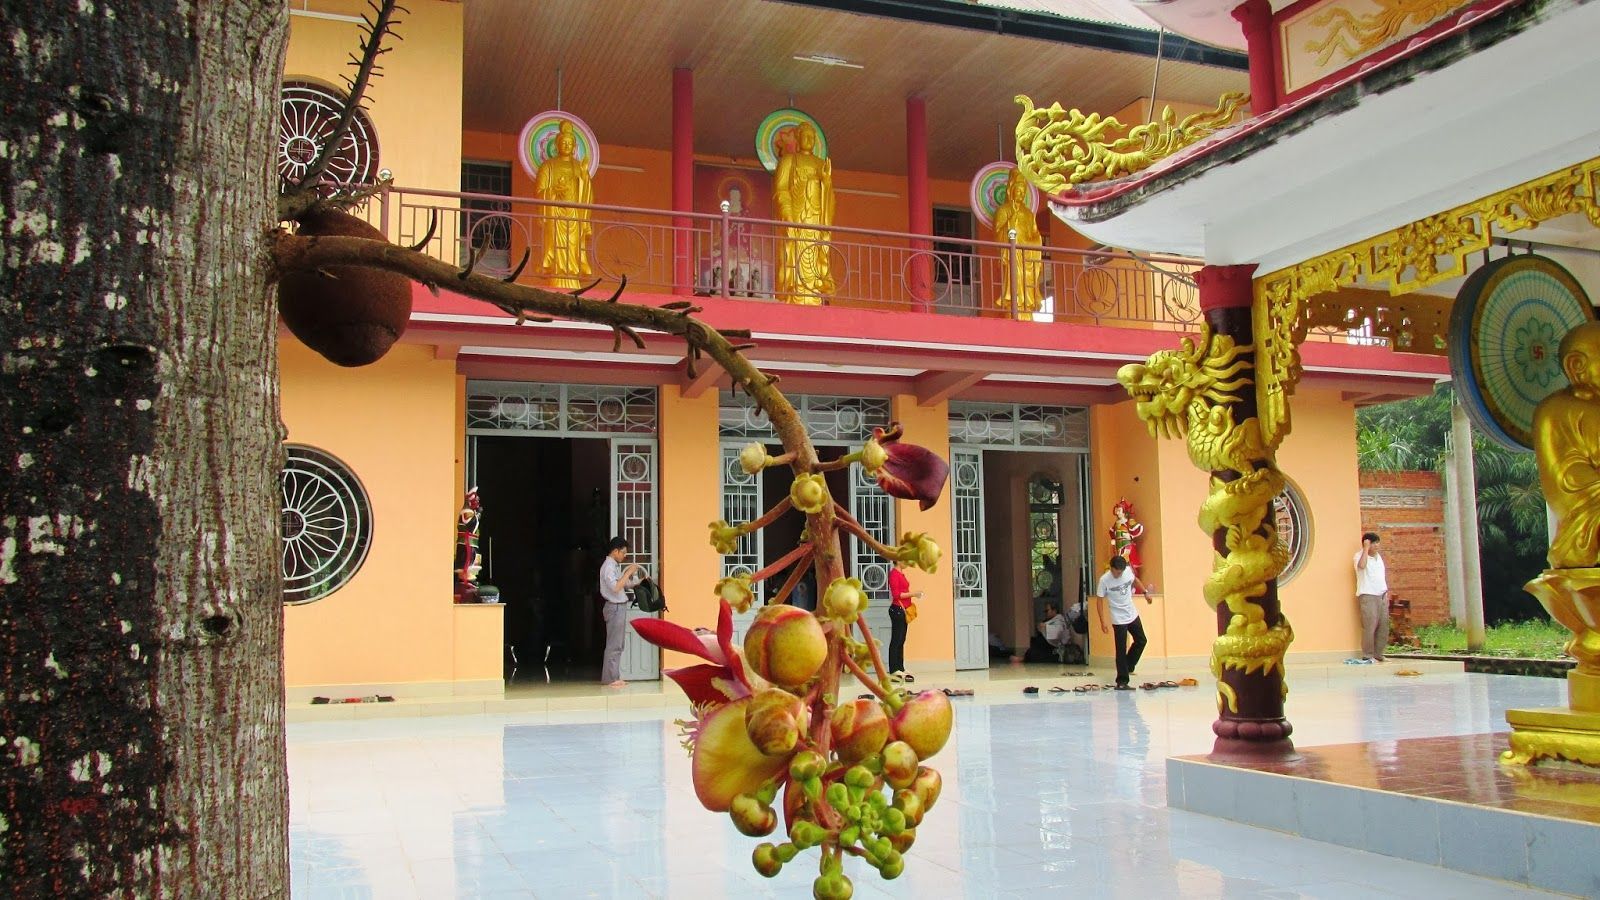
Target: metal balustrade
662	251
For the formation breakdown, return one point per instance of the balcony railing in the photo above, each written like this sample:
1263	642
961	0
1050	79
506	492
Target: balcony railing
735	256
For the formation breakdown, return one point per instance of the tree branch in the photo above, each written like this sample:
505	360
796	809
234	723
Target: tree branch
304	194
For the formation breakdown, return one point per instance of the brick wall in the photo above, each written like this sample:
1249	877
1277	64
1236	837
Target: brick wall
1406	509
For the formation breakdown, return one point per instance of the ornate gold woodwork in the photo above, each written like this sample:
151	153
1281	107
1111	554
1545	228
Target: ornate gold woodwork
1405	259
1352	36
1058	148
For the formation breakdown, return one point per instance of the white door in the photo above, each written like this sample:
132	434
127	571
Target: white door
741	502
874	509
633	515
972	597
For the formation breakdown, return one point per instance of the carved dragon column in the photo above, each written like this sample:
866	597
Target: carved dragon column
1207	393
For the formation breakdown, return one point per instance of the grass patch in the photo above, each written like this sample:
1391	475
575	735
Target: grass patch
1533	639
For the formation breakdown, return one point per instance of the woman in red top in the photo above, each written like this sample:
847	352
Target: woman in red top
901	597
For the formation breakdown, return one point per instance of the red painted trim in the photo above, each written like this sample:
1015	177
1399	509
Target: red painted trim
1450	25
919	209
867	338
1225	287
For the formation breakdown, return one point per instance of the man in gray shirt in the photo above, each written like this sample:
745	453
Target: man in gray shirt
614	583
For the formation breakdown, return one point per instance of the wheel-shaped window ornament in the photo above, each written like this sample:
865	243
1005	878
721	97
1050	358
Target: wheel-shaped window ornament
308	115
1293	523
326	524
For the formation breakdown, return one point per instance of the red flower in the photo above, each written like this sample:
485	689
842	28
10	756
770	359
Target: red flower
723	678
905	470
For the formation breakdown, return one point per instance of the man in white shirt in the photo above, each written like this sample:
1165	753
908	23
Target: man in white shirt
1116	588
1372	593
614	583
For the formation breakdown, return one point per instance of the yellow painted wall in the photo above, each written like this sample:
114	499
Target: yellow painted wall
932	637
691	498
416	105
1319	455
394	424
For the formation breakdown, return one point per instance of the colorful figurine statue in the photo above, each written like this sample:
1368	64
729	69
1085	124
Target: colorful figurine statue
1566	441
1125	533
1028	265
468	560
565	230
802	192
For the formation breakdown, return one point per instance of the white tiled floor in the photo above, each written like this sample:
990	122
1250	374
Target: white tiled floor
1048	796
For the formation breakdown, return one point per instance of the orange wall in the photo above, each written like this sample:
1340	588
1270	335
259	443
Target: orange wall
691	499
1319	455
394	424
932	637
417	99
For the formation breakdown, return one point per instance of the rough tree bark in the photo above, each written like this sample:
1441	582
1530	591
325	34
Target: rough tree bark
141	735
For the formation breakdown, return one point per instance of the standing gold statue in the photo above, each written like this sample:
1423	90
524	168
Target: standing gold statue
1029	261
1566	440
565	231
802	192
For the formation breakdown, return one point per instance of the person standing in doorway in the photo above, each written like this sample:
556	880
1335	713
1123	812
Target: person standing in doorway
614	583
901	600
1372	593
1116	589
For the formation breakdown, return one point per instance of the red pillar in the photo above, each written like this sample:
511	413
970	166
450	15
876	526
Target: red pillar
683	180
1258	728
1260	43
919	209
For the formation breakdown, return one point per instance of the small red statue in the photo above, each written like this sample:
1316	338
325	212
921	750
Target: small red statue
468	559
1125	533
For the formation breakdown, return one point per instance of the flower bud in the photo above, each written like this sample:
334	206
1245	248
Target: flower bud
927	786
899	764
919	550
892	866
908	803
765	858
753	458
736	589
806	765
773	721
751	817
834	886
724	537
785	645
844	601
924	722
873	456
809	493
903	840
860	729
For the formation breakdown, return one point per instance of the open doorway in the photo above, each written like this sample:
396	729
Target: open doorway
546	523
1035	519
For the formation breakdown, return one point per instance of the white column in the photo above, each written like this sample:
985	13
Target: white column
1452	542
1467	522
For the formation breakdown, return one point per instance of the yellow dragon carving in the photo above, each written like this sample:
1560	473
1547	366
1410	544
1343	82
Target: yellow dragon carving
1191	393
1057	148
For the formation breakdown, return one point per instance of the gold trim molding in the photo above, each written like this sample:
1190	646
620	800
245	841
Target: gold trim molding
1058	148
1405	259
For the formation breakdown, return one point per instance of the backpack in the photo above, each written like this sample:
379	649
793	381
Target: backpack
648	597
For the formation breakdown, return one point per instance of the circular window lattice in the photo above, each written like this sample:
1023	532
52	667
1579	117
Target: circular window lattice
1294	528
326	524
308	115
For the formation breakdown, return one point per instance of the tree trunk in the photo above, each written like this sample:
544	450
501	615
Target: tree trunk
141	728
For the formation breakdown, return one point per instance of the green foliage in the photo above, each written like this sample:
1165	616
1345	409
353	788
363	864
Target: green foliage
1414	434
1534	639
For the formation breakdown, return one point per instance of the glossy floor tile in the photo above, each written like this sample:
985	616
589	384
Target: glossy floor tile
1046	796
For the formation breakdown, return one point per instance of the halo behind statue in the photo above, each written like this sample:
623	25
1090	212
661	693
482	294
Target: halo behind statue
538	141
1507	323
989	191
775	122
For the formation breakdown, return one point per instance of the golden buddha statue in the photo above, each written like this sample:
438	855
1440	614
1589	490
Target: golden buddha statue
1566	438
1566	441
564	230
802	193
1029	262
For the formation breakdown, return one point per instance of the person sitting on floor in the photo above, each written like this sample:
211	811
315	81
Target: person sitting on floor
1048	637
